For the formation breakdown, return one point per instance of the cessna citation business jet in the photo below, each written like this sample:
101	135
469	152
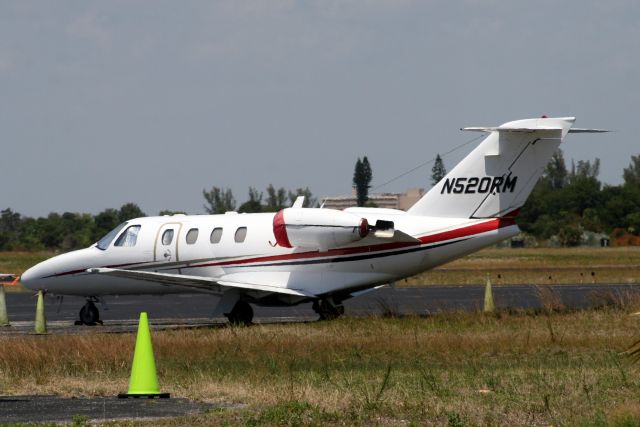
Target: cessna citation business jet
323	256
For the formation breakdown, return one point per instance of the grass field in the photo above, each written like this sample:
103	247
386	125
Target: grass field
517	368
538	266
450	369
18	262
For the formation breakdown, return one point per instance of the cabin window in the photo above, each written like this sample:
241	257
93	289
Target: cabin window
129	237
216	235
241	234
192	236
167	237
108	238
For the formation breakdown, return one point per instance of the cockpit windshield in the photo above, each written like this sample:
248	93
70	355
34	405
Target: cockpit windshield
106	240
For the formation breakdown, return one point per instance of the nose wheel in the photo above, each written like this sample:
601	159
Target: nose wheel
89	314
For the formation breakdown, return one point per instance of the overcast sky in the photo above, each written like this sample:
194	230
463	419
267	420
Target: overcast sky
103	103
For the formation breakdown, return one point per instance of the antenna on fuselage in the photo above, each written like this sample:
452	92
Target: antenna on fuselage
299	202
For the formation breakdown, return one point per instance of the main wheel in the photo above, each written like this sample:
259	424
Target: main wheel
241	314
328	311
89	314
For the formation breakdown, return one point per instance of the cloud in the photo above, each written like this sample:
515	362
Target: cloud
88	27
7	60
284	32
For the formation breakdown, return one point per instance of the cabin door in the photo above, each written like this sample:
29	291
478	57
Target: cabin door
166	248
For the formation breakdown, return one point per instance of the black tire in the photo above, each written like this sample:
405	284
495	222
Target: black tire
241	314
328	311
89	314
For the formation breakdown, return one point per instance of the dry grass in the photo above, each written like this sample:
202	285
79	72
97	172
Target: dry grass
459	368
538	266
512	369
18	262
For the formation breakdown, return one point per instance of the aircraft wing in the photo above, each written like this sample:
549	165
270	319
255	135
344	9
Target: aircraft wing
394	236
197	282
8	279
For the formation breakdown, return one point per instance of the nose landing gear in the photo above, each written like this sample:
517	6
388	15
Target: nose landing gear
89	314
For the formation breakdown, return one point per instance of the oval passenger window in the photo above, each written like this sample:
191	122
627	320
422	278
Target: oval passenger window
192	236
216	235
241	234
167	237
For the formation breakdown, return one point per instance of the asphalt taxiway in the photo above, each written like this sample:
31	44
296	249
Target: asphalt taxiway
120	313
38	409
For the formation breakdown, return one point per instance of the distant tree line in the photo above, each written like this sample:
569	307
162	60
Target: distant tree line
69	231
566	202
60	232
220	200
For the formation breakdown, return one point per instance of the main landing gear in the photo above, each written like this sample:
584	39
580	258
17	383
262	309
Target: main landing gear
241	314
89	313
327	309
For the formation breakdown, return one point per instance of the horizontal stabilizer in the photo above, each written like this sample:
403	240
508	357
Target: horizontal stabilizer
510	129
216	285
585	130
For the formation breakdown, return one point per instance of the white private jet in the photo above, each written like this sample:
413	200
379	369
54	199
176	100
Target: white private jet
323	256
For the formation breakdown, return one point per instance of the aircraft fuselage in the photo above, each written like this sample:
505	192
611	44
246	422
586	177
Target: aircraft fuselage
195	249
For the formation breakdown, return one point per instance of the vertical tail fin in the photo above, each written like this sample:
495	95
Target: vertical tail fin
499	174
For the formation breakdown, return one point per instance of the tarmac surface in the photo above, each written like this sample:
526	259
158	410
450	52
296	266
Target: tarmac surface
120	313
39	409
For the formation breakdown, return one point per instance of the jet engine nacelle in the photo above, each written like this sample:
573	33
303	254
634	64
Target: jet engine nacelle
321	229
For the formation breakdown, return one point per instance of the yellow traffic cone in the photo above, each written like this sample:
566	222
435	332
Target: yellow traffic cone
489	306
41	320
4	317
143	381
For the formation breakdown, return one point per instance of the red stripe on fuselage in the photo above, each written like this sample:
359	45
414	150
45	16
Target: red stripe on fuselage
482	227
470	230
84	270
491	225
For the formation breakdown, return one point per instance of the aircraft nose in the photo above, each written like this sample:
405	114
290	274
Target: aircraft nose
47	274
32	278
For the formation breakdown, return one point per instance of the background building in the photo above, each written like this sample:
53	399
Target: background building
401	201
